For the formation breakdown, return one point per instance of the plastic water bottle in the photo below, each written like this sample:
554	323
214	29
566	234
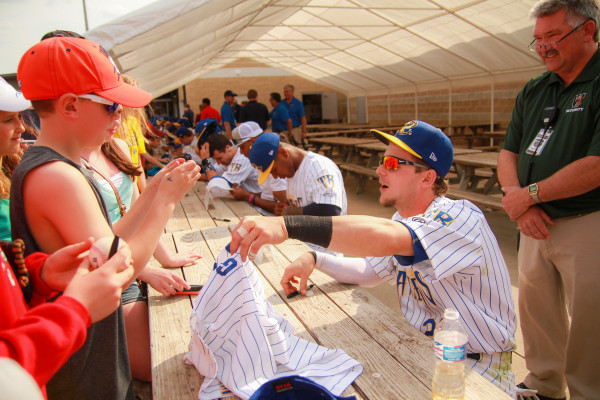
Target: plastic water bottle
449	341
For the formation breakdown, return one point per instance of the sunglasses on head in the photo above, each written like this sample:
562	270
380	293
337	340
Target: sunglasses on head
392	163
111	107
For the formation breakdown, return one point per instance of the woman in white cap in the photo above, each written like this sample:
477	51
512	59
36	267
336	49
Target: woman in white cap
11	127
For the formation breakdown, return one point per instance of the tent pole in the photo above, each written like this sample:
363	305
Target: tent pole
416	102
367	108
348	109
450	109
85	19
389	108
492	108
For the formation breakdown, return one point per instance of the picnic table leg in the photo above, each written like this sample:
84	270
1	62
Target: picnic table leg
491	182
466	176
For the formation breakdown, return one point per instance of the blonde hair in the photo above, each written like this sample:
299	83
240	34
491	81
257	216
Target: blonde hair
137	113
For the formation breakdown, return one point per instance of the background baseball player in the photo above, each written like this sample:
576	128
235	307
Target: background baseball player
439	252
238	166
315	185
273	190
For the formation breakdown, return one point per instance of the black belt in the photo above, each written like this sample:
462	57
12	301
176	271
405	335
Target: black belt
474	356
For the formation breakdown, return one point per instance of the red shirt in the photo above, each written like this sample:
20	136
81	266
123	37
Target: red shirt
210	112
41	339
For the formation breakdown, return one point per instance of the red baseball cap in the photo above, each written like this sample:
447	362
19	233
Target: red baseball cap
62	65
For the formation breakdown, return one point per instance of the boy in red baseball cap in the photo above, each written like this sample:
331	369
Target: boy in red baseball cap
77	91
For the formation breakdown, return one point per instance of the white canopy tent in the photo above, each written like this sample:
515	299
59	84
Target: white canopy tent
357	47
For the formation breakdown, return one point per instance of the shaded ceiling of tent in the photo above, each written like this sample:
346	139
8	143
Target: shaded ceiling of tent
354	46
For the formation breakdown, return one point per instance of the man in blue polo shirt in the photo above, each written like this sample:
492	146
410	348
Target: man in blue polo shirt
227	117
296	110
280	118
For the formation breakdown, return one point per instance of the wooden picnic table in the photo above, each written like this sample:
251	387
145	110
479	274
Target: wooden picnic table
398	359
466	166
344	145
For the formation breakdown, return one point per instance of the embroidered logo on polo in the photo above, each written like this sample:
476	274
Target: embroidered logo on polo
577	102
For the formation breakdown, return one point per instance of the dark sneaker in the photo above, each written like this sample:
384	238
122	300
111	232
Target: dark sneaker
527	394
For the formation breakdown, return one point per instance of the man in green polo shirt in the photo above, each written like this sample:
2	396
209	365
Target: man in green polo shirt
550	171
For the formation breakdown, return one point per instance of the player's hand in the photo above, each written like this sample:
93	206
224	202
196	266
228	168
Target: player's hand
100	290
60	267
280	206
292	210
238	193
163	281
301	268
516	201
204	151
533	223
254	232
181	260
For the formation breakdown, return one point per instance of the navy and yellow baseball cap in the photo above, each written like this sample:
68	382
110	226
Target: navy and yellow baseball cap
262	154
423	141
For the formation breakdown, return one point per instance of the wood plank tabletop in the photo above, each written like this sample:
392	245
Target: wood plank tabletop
398	360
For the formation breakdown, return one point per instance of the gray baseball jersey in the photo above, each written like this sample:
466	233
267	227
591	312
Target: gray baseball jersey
317	180
242	172
240	342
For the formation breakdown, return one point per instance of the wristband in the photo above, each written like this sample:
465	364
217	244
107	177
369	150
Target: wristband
251	199
314	254
309	228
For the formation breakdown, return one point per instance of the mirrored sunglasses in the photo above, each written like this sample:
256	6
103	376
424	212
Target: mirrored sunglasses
111	107
392	163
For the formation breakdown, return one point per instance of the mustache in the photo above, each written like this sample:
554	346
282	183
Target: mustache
550	52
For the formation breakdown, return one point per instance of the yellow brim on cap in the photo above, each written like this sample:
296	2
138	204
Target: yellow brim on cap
262	177
394	140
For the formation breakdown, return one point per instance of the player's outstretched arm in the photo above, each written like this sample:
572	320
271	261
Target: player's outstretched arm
355	235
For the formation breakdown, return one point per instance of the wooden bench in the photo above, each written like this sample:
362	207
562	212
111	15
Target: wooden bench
361	173
479	199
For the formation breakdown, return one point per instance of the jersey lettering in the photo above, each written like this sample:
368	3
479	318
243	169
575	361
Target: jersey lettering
429	326
235	167
328	181
295	202
443	218
226	267
417	287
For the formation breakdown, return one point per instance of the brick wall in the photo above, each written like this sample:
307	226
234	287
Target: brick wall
470	105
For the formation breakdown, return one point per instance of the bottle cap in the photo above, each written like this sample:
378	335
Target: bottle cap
451	313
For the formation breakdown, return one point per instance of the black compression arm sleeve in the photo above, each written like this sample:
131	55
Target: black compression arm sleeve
308	228
321	209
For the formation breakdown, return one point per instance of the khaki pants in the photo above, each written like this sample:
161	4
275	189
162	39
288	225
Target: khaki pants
297	134
559	274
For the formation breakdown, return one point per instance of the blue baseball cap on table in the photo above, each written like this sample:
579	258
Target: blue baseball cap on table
294	388
423	141
262	154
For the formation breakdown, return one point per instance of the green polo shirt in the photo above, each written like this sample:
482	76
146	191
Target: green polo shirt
573	135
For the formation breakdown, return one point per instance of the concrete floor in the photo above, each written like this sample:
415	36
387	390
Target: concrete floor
367	203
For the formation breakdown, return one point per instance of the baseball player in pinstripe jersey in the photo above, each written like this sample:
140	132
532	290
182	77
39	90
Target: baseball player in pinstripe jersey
439	252
315	185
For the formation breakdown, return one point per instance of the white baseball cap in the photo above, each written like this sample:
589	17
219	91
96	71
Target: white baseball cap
10	99
245	131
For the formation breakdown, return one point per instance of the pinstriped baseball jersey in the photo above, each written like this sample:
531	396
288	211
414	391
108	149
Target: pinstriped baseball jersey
317	180
271	185
241	171
238	338
457	264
